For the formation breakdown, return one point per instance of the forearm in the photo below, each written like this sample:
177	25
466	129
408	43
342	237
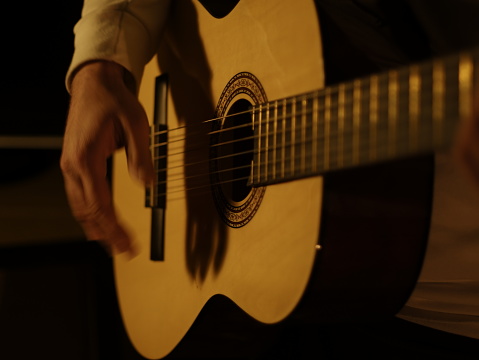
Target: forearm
123	31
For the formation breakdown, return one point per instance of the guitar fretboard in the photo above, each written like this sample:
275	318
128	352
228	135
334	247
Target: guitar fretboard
398	113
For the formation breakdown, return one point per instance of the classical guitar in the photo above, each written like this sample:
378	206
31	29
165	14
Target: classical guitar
244	137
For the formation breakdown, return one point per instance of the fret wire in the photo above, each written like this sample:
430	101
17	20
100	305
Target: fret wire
466	69
327	124
266	148
452	88
315	132
356	118
293	135
283	148
393	94
425	121
414	104
439	92
304	103
341	117
373	116
260	118
364	124
275	126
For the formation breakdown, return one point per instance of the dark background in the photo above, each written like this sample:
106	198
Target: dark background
57	297
37	41
37	48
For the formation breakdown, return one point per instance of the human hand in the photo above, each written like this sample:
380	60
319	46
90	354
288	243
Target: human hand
104	115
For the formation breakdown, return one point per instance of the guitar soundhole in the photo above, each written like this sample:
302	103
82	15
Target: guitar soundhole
231	151
235	152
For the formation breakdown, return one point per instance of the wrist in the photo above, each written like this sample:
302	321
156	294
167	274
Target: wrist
108	73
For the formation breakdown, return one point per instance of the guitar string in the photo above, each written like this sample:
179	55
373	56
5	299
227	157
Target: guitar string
364	148
302	113
290	118
403	140
256	109
334	135
172	189
349	129
320	94
332	108
292	100
206	187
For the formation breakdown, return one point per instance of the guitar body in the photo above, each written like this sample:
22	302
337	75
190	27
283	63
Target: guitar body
251	264
259	249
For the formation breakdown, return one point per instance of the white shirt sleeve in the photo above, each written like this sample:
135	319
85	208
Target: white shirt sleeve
124	31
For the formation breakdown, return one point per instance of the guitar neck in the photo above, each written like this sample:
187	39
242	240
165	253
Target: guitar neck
398	113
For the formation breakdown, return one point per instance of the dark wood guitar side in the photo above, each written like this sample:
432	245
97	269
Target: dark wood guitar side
375	226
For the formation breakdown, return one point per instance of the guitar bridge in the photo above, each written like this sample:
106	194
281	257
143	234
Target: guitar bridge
156	193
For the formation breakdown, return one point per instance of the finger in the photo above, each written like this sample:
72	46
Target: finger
76	201
89	197
76	196
137	146
99	206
